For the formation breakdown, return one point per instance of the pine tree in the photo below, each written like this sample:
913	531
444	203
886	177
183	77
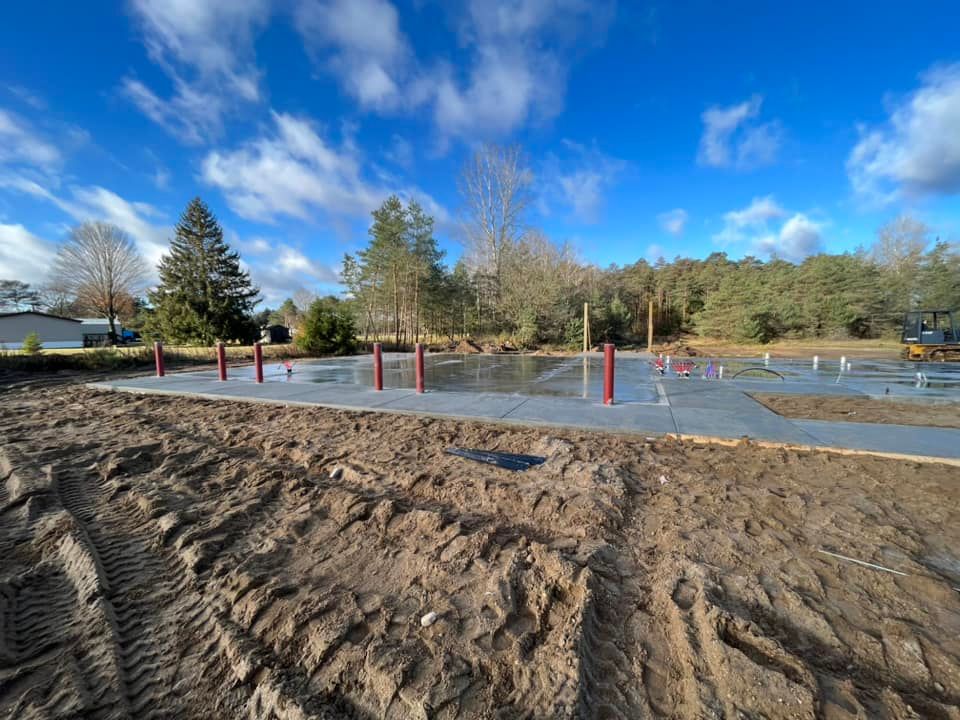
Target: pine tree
203	293
31	344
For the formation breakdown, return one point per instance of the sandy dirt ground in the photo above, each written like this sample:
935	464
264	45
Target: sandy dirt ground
825	349
164	557
861	409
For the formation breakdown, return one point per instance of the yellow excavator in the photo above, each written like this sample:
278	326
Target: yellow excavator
930	335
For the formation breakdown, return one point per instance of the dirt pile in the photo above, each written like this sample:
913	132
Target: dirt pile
676	349
179	558
862	409
467	346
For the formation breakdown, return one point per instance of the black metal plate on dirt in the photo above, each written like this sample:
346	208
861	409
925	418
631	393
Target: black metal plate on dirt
507	461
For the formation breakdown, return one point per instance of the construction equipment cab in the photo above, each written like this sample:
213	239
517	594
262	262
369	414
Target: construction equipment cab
930	335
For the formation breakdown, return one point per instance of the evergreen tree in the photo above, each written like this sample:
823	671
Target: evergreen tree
940	274
203	293
327	328
31	344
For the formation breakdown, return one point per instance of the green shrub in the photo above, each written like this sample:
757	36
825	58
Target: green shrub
31	344
327	329
528	332
573	333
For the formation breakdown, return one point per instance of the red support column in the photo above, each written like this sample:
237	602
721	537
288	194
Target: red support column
158	356
608	351
377	367
258	361
222	361
419	367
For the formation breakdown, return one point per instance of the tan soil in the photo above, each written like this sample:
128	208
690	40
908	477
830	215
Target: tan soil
860	409
165	557
467	346
694	345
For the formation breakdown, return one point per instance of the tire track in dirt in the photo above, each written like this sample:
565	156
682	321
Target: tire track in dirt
135	591
610	665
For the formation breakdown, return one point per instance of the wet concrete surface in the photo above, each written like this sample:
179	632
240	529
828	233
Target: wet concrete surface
566	391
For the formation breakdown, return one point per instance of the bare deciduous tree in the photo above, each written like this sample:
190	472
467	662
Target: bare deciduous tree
100	266
58	300
15	295
496	189
304	298
900	244
899	251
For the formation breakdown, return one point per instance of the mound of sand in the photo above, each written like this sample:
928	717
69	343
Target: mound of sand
187	558
468	346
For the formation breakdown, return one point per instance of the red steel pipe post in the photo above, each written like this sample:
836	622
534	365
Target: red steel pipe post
377	367
608	351
222	361
419	367
258	361
158	356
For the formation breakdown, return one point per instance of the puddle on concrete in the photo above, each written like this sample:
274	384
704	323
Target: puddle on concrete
873	377
512	374
583	377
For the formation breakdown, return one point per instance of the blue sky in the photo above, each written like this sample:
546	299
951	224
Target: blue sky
653	129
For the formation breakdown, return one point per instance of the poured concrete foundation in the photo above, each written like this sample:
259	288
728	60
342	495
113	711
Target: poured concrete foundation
565	392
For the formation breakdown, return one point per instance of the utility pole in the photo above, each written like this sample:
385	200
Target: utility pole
650	326
586	327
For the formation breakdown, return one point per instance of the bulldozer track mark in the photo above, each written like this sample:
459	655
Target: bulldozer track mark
142	629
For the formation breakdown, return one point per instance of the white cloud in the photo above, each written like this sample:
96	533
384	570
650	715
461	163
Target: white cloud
400	152
291	260
753	226
97	203
674	221
207	51
23	255
369	52
190	115
579	180
279	269
296	172
518	52
507	86
28	96
798	237
21	144
161	178
521	50
254	246
730	138
654	252
290	173
917	152
753	220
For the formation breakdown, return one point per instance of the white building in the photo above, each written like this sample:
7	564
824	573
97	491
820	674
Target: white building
54	331
96	331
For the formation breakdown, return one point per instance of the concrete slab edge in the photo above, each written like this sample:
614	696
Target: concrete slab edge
700	439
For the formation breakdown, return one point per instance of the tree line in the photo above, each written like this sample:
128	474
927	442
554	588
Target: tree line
514	284
511	284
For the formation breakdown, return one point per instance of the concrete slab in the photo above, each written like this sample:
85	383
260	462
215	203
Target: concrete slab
734	424
708	395
621	417
152	380
794	388
244	389
479	405
358	397
694	408
900	439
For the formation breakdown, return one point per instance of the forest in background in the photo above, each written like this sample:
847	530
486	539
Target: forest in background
513	284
